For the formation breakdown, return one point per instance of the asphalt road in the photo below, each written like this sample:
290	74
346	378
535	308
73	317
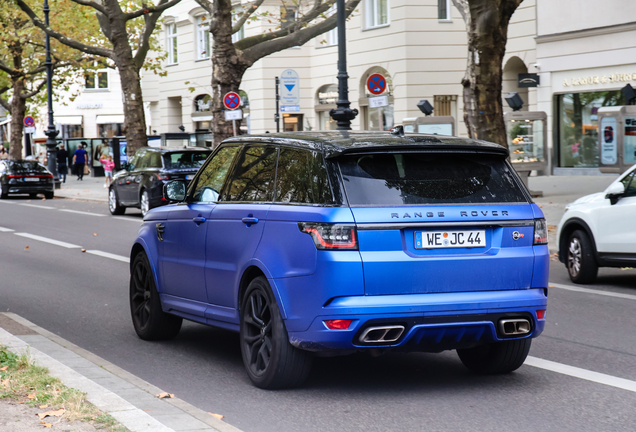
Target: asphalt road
82	296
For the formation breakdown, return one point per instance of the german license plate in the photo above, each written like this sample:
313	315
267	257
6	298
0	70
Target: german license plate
450	239
189	176
31	179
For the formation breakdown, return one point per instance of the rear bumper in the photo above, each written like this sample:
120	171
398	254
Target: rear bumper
432	322
29	188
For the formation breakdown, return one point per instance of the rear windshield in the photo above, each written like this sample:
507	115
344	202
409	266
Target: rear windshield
185	159
24	166
388	179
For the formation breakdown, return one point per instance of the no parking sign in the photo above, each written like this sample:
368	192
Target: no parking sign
232	100
376	84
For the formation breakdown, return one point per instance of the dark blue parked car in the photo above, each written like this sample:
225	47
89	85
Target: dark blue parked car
332	243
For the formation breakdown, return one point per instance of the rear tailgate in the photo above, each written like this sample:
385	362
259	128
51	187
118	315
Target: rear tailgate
409	250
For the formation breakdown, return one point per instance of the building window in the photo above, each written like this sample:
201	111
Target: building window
172	43
377	13
443	10
578	126
239	34
203	37
72	131
445	105
288	16
110	130
331	37
97	80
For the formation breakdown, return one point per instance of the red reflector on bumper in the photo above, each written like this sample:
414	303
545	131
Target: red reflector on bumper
338	324
541	314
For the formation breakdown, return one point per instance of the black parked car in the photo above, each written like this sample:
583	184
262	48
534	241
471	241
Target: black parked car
25	177
140	183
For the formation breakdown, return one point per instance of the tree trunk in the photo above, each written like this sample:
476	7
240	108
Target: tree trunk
487	26
18	110
135	117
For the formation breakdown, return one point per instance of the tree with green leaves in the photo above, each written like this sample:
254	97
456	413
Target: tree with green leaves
22	61
299	22
487	27
128	27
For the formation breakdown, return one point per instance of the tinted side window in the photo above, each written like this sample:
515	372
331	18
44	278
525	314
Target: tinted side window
154	160
211	179
254	175
136	160
630	186
302	178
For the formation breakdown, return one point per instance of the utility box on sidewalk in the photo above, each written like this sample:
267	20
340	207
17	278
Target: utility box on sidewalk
617	138
436	125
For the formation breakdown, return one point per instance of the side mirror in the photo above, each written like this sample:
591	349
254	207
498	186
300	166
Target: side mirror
614	192
174	191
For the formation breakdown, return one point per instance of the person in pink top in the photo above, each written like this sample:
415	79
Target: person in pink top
108	164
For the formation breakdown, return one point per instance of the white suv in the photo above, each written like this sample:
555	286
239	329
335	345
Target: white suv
599	230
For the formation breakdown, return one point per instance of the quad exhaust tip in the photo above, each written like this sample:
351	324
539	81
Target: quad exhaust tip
382	334
514	327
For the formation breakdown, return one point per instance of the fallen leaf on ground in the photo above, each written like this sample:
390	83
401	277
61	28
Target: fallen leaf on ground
26	247
31	396
44	406
4	368
21	402
83	250
57	413
219	416
46	425
164	395
148	409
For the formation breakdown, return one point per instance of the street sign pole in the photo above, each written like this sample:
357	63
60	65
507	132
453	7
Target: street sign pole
51	133
234	126
277	115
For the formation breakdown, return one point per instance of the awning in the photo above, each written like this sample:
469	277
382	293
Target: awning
68	120
110	118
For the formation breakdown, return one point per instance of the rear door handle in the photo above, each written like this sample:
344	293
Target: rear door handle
198	220
249	220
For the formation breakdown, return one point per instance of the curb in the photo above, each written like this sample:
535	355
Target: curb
129	399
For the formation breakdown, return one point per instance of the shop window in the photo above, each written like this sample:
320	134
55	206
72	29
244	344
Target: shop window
72	131
172	44
445	105
325	122
377	13
443	10
379	119
578	126
203	37
292	122
109	130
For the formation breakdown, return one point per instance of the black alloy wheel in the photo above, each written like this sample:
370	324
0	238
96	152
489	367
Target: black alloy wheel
581	264
496	358
113	203
149	320
144	203
270	360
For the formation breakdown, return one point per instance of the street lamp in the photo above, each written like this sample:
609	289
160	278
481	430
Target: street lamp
343	114
51	133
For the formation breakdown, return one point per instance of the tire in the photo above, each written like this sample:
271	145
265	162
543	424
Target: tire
149	320
144	203
33	195
113	203
270	360
580	262
496	358
4	194
48	195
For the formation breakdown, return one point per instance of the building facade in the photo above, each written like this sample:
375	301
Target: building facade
585	55
418	45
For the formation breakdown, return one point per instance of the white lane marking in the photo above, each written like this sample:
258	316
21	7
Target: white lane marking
6	202
39	206
128	219
584	374
3	229
591	291
82	212
48	240
109	255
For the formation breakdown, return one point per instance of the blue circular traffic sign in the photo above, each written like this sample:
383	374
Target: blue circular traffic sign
29	121
376	84
232	101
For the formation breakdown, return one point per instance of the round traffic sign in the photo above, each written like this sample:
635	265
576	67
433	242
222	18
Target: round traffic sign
29	121
376	84
232	101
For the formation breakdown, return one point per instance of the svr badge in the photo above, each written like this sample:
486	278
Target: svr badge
516	235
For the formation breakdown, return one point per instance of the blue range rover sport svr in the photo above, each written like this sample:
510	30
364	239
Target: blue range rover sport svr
335	242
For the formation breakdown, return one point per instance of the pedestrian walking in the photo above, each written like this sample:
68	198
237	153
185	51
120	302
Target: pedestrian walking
62	163
108	164
79	160
4	154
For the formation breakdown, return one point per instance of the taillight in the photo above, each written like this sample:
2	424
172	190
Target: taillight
331	236
540	232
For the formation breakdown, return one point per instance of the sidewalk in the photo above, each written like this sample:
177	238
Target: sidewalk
130	400
91	188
